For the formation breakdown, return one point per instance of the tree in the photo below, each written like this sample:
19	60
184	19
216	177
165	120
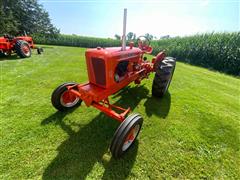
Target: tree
28	16
8	23
131	36
149	36
165	37
117	36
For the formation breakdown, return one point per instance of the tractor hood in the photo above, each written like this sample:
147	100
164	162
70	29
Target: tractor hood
115	52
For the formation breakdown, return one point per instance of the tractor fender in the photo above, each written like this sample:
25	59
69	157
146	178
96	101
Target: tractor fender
160	56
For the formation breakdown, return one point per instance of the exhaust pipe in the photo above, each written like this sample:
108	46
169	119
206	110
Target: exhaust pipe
124	30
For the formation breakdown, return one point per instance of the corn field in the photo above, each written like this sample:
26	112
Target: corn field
217	51
74	40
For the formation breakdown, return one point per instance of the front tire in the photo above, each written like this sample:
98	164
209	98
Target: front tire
163	76
23	49
64	100
126	135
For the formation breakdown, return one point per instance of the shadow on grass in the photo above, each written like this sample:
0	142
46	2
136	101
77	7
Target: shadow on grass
131	96
87	146
158	107
10	57
14	56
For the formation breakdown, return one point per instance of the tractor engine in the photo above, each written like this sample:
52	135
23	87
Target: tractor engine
107	67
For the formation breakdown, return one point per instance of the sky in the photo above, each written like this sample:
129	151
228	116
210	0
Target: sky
104	18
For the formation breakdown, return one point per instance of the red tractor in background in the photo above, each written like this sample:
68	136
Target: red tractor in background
110	70
20	45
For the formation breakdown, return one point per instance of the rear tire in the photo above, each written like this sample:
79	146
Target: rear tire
163	76
63	100
23	49
126	135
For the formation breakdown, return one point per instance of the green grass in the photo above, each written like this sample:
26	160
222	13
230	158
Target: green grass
193	132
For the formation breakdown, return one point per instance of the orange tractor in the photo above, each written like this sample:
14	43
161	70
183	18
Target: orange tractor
110	70
20	45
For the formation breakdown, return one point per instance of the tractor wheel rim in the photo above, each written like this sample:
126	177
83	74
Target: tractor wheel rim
26	50
130	137
68	99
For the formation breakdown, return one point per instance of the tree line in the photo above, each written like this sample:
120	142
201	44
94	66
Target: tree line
132	36
25	16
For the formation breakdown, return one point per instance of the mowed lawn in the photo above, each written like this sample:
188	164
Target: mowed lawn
193	132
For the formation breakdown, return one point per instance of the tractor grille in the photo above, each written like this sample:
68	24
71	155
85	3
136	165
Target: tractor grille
99	71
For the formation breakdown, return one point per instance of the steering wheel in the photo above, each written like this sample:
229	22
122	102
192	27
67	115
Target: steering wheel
143	42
